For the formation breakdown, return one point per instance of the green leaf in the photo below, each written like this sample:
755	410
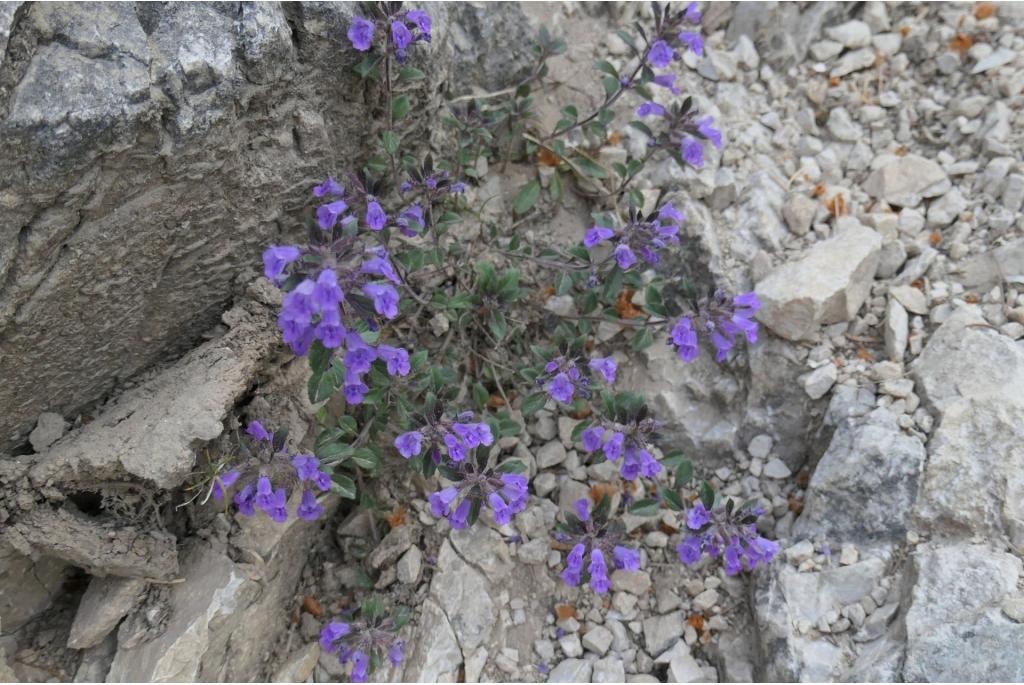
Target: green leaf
684	473
645	508
534	403
407	74
606	67
527	197
366	458
511	466
400	107
672	499
590	168
611	85
334	451
347	424
321	386
563	283
319	357
707	495
555	186
497	323
343	486
391	141
480	396
643	339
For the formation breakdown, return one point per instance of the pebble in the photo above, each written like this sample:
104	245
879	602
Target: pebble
776	468
820	381
598	640
551	454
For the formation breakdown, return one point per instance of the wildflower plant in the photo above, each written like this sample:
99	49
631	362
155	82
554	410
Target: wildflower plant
366	639
434	346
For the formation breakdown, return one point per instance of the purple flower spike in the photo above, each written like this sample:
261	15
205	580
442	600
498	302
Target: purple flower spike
693	13
561	388
257	431
689	550
693	151
276	258
327	215
222	483
649	109
597	234
409	444
422	21
624	256
698	517
400	36
667	81
396	358
707	129
375	216
591	438
661	55
582	508
685	338
693	41
605	366
328	187
326	293
309	509
360	34
625	558
385	299
306	466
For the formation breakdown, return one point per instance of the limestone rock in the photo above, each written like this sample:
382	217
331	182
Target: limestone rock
49	429
104	604
826	285
906	181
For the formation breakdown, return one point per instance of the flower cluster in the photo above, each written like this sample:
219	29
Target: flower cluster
729	533
269	475
336	211
434	185
456	436
406	27
722	320
592	532
643	236
473	485
335	286
365	643
563	379
631	441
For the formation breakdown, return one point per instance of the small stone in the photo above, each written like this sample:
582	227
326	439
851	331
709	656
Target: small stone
852	61
819	382
394	544
856	614
705	600
995	60
852	34
842	126
298	667
849	555
760	447
409	565
571	671
571	645
551	454
912	299
1013	607
609	670
825	50
545	428
800	552
49	429
799	212
633	582
906	181
946	209
776	468
566	426
656	539
660	632
598	640
896	331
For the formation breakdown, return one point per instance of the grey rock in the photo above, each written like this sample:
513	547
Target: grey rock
571	671
95	663
776	468
660	632
571	645
913	299
842	126
995	266
782	32
392	546
897	330
105	602
598	640
852	34
27	587
826	285
946	209
298	667
435	656
994	61
820	381
955	629
906	181
865	485
799	212
852	61
49	429
551	454
409	565
609	670
1013	192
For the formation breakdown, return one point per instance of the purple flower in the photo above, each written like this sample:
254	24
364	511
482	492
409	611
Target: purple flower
396	358
474	434
309	509
409	444
456	449
605	366
330	331
561	388
625	558
660	55
385	299
379	265
354	389
257	431
693	13
441	502
395	654
400	36
693	151
360	34
693	41
459	518
328	187
331	633
667	81
669	212
574	560
591	438
582	507
244	501
705	127
405	221
359	355
502	512
326	293
222	483
648	109
457	188
613	448
624	256
276	258
327	215
685	338
595	235
360	666
689	550
306	466
422	21
598	572
698	517
375	216
322	480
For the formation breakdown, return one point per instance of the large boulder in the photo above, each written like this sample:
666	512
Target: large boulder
149	153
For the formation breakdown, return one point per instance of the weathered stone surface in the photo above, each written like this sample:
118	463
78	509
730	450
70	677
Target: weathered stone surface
135	139
105	602
955	629
49	429
785	599
865	485
783	31
571	671
436	655
906	181
965	358
151	431
826	285
298	666
27	586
